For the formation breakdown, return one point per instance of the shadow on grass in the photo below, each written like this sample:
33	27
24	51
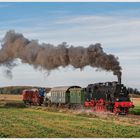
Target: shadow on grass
135	112
12	105
2	135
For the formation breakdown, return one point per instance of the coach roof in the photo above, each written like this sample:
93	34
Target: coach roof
63	88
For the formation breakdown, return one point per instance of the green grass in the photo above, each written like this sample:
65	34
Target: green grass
30	123
135	110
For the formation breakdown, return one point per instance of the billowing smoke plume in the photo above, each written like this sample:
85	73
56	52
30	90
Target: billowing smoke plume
50	57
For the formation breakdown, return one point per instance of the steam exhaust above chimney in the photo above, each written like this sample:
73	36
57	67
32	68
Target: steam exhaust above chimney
49	57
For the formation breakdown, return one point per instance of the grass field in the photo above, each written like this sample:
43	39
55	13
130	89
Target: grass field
136	109
27	122
37	122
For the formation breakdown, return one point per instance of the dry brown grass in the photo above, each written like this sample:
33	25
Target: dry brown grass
9	97
136	101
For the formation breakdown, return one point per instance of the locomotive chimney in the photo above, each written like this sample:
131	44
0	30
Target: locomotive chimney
119	78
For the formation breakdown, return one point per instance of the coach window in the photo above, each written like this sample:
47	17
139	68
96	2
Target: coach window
79	93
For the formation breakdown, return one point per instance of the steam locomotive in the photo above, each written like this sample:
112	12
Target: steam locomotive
108	96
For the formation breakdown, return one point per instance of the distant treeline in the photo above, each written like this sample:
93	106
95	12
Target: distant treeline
19	89
133	91
16	89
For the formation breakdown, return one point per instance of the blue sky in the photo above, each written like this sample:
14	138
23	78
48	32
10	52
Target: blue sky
115	25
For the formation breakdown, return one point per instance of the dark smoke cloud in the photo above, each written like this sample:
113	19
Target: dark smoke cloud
8	67
50	57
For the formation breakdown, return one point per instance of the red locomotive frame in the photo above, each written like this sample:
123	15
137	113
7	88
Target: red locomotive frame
115	107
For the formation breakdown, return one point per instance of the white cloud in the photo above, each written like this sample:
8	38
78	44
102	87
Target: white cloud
110	31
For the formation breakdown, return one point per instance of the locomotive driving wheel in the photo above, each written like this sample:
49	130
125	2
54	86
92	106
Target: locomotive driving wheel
116	110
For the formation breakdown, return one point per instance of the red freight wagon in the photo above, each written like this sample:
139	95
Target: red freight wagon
31	97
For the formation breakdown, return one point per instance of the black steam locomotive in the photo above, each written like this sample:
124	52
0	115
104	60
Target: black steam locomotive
109	96
109	91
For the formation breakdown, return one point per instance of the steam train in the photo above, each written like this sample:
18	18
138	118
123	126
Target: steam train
108	96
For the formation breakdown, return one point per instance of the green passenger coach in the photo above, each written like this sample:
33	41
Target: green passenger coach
76	95
67	95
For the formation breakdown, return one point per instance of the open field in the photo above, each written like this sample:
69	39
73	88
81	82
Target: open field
31	122
136	101
18	121
9	97
136	109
